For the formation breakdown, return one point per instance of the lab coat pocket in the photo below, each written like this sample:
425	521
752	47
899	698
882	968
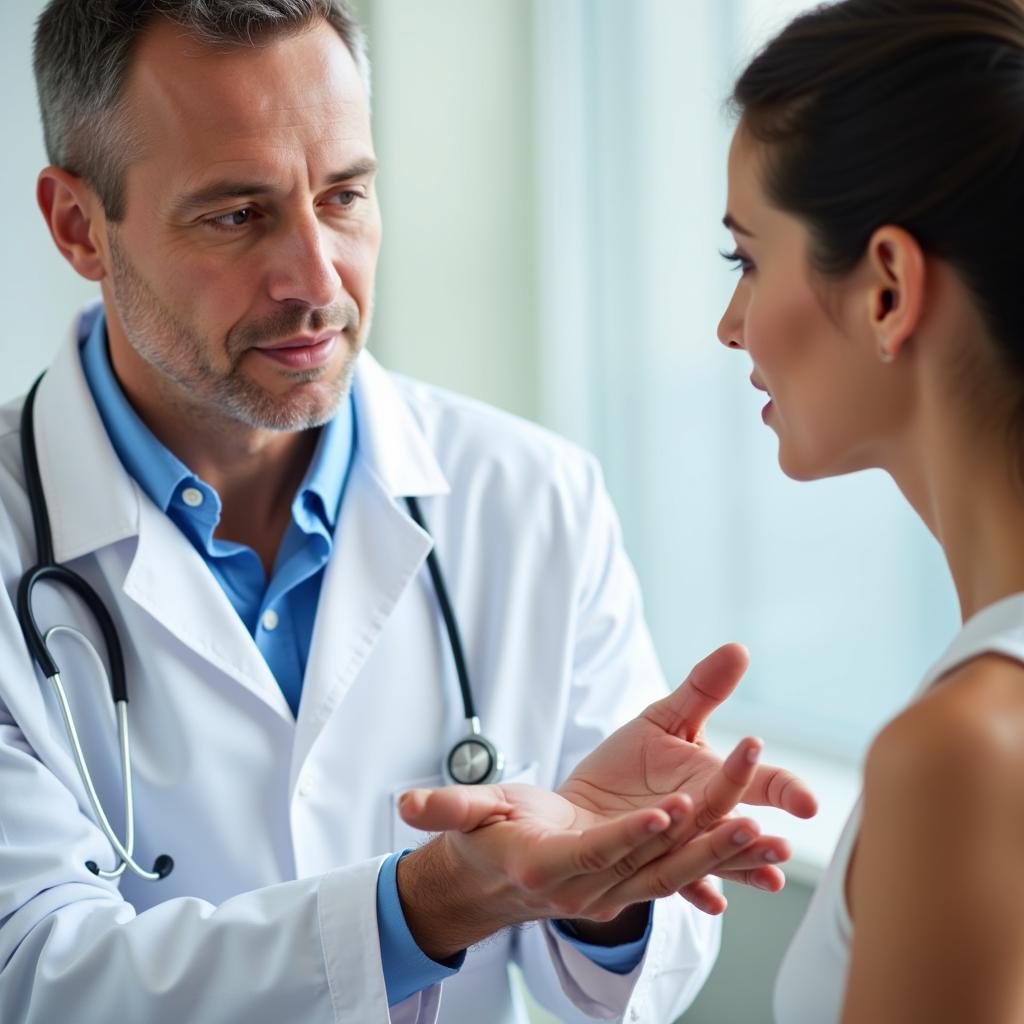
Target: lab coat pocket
405	837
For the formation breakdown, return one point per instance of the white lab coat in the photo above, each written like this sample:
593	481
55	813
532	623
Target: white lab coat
278	826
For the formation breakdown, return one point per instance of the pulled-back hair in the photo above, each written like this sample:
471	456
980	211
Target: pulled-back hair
83	53
902	112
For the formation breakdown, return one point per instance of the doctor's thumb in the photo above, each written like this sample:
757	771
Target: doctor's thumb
461	808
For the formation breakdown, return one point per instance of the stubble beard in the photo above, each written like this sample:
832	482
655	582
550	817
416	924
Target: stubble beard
181	354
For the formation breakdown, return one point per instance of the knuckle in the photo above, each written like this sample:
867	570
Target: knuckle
706	817
625	868
661	886
590	861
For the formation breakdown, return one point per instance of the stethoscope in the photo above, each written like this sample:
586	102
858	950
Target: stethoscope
473	760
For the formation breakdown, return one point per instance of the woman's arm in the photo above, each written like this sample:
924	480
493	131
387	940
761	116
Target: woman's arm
936	887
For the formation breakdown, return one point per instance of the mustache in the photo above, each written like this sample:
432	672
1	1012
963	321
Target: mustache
286	323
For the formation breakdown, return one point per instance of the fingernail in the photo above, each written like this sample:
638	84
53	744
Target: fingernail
763	884
753	753
657	826
677	816
741	837
771	856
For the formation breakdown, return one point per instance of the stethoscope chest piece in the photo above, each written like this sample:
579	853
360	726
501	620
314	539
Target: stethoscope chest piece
474	760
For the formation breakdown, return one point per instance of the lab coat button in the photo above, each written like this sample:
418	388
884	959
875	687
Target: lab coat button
192	496
270	620
307	784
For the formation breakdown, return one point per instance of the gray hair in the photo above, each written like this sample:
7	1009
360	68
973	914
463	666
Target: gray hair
83	53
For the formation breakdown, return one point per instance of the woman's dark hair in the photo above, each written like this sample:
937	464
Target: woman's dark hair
902	112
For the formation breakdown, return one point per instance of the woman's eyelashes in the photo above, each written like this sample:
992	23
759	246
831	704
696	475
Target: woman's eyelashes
741	262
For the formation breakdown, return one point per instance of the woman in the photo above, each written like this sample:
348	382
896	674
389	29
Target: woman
876	198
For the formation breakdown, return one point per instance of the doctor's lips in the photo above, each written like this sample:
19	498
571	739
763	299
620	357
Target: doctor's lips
302	352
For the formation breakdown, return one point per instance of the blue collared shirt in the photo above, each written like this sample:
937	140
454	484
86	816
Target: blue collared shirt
279	613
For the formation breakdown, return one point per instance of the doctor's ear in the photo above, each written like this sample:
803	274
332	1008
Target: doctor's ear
75	217
895	290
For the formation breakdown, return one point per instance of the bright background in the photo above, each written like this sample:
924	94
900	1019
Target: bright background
552	185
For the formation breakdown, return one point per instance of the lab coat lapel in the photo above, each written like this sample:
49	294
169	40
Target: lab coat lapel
378	549
169	580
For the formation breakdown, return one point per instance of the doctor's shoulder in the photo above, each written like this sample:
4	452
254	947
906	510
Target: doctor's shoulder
935	884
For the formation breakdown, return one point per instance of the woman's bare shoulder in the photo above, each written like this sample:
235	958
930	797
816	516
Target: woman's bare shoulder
966	733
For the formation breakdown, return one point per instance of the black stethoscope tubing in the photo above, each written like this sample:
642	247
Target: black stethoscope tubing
472	760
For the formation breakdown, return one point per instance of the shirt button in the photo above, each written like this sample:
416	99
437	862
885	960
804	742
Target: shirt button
270	620
192	496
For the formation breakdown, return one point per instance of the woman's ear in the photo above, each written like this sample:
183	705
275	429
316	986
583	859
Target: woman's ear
895	290
74	215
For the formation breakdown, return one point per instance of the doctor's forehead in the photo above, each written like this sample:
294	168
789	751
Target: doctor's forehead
301	89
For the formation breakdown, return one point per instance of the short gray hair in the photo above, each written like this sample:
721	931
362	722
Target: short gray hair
83	52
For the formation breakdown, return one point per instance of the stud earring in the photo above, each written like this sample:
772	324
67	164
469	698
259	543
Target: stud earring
885	355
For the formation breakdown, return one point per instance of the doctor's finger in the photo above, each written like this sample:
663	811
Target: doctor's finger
561	857
690	863
701	856
679	808
728	785
461	808
776	787
765	851
705	896
768	879
685	711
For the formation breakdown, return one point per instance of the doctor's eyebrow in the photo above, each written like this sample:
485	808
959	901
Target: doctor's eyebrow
733	225
228	188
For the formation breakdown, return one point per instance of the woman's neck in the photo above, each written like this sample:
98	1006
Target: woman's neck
969	490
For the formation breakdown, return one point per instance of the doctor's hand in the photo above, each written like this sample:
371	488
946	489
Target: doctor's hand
664	751
517	853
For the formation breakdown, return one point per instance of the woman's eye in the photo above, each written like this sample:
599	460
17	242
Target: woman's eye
739	262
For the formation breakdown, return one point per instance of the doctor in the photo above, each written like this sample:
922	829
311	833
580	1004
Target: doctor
228	470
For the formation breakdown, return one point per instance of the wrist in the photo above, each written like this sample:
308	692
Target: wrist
446	907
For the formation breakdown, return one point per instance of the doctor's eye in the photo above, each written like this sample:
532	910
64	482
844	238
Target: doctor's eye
345	199
235	219
739	262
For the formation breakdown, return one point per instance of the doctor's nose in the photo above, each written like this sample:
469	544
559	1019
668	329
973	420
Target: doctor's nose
303	270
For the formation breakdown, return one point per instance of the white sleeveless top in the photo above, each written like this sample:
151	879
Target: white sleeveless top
812	979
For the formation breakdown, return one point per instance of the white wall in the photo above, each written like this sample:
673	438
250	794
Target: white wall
38	291
453	105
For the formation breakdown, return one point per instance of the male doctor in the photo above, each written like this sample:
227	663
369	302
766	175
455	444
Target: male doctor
228	469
